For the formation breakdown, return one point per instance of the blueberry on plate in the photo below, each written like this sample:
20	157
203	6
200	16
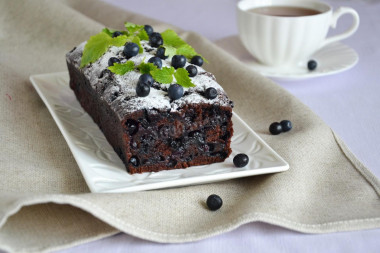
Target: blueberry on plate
142	89
112	61
156	61
214	202
148	29
175	91
161	53
275	128
146	79
131	49
197	60
286	125
116	34
312	65
193	71
241	160
155	39
178	61
211	93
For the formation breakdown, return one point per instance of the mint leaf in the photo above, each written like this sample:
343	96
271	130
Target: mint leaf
187	51
170	51
183	79
122	68
171	38
119	41
143	35
164	75
136	30
97	45
146	68
132	28
108	31
173	41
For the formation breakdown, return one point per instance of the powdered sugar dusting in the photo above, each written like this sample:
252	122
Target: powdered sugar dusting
120	90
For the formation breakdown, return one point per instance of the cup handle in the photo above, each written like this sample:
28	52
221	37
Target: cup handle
334	19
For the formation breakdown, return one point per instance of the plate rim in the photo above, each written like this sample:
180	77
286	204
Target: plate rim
154	185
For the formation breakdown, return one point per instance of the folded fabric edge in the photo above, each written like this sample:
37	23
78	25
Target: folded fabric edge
48	248
366	173
99	213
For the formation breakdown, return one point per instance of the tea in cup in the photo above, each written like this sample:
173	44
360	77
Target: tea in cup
287	32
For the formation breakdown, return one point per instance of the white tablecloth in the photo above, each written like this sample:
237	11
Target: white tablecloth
348	102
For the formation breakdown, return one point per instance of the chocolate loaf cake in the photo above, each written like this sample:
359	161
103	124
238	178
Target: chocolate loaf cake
153	125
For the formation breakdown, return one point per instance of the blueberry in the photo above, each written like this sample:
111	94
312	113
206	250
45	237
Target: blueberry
148	29
211	93
112	61
214	202
275	128
134	161
197	60
178	61
311	65
155	39
175	91
117	33
142	89
146	79
161	53
286	125
156	61
193	71
131	49
241	160
132	126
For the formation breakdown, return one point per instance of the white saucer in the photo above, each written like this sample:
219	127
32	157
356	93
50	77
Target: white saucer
332	59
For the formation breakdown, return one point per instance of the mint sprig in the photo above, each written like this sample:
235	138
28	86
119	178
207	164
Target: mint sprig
122	68
176	45
163	75
146	67
182	78
136	30
98	44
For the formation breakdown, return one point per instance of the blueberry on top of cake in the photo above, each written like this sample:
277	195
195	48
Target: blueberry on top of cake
156	105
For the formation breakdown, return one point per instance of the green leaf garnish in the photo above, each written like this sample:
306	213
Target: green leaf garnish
108	31
132	28
170	51
146	68
98	44
183	79
187	51
122	68
136	30
175	45
171	38
143	35
163	75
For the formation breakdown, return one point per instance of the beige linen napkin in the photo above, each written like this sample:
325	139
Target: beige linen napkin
45	203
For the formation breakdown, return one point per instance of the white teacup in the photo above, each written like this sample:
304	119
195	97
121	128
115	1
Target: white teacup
288	40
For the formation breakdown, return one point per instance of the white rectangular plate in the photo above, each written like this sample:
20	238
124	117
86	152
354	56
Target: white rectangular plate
105	172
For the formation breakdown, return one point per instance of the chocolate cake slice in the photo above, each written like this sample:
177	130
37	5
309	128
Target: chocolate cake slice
160	130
